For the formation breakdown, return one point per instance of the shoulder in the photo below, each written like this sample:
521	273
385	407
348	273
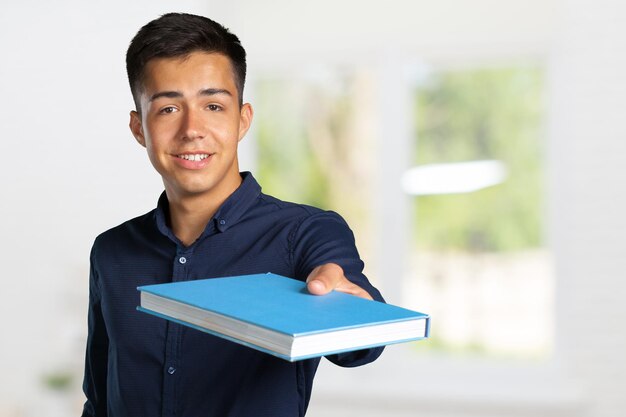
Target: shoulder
308	224
274	203
122	234
302	215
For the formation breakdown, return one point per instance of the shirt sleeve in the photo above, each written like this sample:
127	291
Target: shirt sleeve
96	357
325	237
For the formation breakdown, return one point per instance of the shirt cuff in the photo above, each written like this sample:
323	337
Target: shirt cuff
356	358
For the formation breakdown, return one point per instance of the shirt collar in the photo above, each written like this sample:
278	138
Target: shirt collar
238	203
226	216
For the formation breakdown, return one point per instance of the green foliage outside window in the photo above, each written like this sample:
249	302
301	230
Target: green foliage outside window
287	166
476	115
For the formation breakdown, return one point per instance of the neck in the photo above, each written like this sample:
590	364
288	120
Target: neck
190	214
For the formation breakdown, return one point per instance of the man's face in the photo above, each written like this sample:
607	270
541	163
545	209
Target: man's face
191	124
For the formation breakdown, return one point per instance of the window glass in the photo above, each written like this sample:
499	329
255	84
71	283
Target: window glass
478	263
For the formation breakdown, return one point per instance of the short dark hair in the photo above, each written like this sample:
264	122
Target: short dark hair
178	35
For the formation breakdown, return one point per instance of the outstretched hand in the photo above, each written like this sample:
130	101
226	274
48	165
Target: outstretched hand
325	278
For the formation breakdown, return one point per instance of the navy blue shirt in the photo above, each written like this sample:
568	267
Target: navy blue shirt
140	365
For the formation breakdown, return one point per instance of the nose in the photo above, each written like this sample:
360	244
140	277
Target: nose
193	125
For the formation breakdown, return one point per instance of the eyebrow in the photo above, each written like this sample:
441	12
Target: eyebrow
203	92
215	91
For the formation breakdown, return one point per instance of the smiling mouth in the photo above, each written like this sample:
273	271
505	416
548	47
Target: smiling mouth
194	157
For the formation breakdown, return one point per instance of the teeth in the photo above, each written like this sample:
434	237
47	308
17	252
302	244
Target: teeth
194	157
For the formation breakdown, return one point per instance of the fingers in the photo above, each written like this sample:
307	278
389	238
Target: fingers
328	277
324	278
351	288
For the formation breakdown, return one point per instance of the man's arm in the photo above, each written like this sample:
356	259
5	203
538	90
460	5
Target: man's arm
96	357
325	253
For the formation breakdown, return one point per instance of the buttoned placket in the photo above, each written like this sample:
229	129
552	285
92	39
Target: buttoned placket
180	272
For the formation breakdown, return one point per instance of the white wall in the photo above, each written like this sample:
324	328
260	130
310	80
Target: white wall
588	198
284	32
70	170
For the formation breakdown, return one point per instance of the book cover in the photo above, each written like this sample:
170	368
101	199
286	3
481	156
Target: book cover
277	315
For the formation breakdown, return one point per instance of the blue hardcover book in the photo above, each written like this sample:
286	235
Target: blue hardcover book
277	315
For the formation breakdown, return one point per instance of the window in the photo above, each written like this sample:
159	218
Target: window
477	262
479	265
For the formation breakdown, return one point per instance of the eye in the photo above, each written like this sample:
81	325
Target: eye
167	110
214	107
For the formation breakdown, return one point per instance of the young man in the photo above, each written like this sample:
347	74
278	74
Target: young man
187	75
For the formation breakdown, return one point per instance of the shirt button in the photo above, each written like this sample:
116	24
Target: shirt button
222	222
171	370
182	260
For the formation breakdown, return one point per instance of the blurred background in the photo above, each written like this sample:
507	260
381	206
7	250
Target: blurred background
477	149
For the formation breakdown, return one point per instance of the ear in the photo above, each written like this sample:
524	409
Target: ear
137	128
245	119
